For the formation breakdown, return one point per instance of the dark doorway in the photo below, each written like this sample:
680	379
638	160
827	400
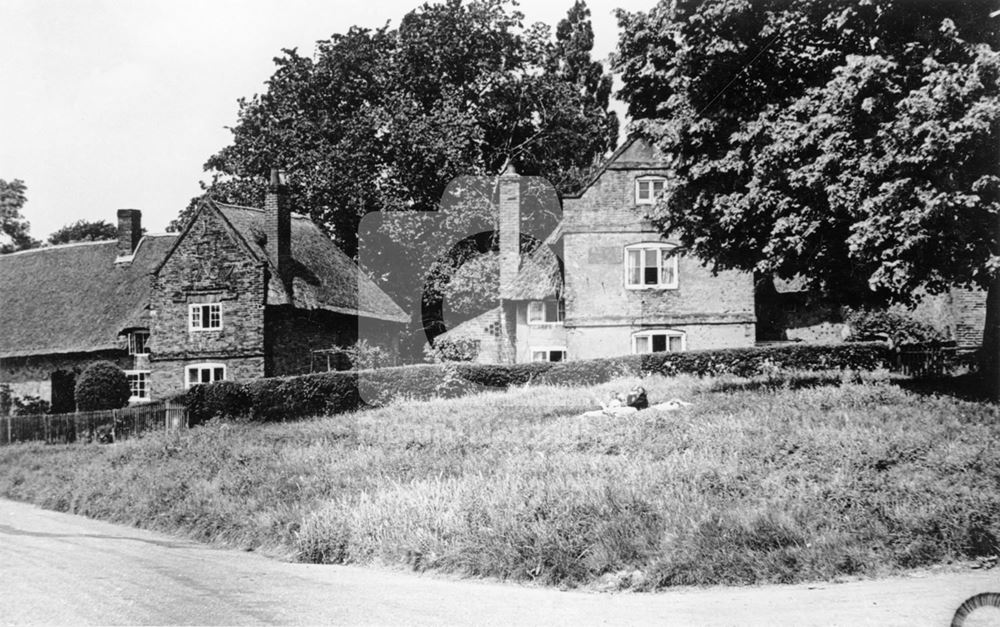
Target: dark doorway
63	392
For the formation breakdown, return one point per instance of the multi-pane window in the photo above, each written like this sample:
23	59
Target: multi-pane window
658	342
138	343
650	266
548	354
546	311
205	373
205	317
138	383
648	189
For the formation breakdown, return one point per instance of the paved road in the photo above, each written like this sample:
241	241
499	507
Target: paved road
62	569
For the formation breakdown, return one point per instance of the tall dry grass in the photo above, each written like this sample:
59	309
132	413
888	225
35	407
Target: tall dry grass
784	478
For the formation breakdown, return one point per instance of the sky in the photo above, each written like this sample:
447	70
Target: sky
110	104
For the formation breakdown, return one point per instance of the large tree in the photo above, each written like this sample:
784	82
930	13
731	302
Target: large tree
852	144
383	119
13	227
84	231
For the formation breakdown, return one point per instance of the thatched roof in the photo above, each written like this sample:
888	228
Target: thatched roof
473	328
74	298
323	277
540	277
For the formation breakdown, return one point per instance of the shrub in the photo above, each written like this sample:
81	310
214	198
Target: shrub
102	385
458	349
364	355
6	399
874	324
29	406
291	398
226	399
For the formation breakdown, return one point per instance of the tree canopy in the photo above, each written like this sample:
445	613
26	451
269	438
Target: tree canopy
382	119
854	144
84	231
13	227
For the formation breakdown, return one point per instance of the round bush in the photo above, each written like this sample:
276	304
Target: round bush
102	385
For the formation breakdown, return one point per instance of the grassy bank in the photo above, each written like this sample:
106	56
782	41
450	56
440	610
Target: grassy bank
766	480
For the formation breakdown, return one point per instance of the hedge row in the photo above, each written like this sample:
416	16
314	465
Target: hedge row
290	398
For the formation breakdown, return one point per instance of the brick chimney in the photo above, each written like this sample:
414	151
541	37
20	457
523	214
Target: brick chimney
278	225
129	231
510	227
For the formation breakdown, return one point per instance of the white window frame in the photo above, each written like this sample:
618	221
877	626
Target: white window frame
142	379
200	306
212	366
649	180
537	311
132	343
548	350
662	251
669	333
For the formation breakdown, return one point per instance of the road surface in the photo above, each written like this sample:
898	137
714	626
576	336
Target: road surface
62	569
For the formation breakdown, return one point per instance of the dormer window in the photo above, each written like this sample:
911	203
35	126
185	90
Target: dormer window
138	343
650	266
648	189
546	311
206	317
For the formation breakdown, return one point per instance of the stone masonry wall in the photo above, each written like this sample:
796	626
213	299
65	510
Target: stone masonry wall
32	376
209	265
168	376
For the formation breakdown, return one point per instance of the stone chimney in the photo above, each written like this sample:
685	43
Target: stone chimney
129	231
278	225
510	228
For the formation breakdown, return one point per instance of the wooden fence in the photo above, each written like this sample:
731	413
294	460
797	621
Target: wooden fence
108	425
932	361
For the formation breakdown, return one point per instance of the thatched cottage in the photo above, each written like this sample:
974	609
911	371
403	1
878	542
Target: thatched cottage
241	293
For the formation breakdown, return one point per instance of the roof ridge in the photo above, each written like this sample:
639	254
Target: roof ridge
300	216
57	247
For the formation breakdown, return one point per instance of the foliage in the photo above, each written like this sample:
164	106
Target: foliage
807	478
363	355
458	349
877	324
84	231
102	385
13	227
474	286
6	399
225	399
29	405
852	144
383	119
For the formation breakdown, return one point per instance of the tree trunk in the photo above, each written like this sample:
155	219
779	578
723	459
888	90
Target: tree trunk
989	357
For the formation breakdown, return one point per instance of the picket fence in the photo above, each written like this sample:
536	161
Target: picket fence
109	425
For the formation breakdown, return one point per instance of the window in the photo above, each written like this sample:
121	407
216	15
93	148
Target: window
648	189
138	383
650	266
205	373
546	311
138	343
205	317
658	342
548	354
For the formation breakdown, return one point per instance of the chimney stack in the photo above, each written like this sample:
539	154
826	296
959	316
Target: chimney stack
278	225
510	228
129	231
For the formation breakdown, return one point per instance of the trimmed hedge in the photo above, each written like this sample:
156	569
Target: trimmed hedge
291	398
102	385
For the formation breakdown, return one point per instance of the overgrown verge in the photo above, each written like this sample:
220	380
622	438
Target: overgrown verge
290	398
773	479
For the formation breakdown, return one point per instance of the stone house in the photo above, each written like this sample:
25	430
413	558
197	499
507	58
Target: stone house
241	293
605	282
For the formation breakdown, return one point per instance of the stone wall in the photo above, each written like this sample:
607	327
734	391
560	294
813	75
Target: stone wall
293	334
537	336
607	341
209	265
168	375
